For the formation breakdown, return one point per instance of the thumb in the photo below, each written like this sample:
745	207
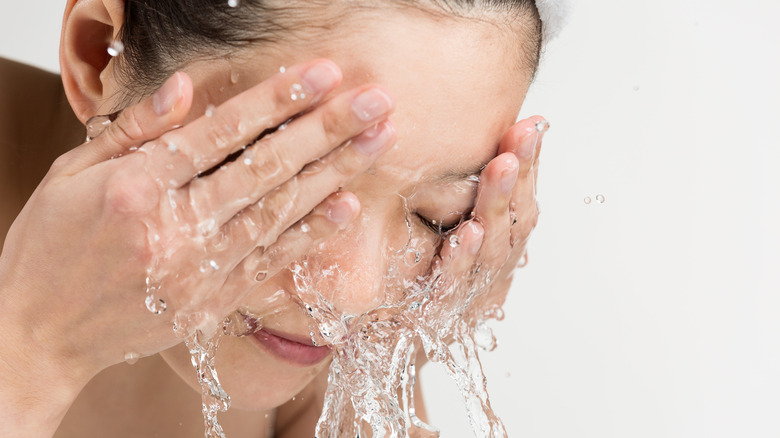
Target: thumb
138	124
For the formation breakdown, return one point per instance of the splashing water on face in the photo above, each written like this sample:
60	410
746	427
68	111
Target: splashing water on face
371	379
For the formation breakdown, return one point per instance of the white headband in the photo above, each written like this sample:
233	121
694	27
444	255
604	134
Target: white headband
554	14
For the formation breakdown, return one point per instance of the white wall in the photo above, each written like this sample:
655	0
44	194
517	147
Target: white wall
654	314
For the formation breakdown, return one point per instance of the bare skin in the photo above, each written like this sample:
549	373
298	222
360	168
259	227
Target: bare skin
260	382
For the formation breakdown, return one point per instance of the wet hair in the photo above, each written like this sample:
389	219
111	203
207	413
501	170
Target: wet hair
161	36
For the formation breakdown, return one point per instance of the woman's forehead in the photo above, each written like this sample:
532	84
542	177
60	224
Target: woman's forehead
457	90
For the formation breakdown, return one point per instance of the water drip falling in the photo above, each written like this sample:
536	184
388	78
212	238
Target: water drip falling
115	48
214	398
132	358
96	125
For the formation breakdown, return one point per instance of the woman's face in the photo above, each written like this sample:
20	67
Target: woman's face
458	86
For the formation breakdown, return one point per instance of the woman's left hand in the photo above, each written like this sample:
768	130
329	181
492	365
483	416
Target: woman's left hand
494	241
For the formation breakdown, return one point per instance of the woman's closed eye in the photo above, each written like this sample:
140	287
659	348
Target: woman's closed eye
443	225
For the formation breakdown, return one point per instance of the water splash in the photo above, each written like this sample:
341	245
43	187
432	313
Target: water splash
214	398
600	199
587	200
371	379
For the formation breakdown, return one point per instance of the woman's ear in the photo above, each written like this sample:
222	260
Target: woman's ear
88	28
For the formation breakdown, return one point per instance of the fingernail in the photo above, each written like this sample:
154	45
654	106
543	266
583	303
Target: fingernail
340	212
320	77
373	138
165	99
371	104
479	234
508	179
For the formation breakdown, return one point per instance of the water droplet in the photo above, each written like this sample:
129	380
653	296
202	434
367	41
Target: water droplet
234	76
96	125
209	265
473	178
116	48
297	92
541	126
454	240
132	358
587	200
155	305
282	69
173	148
210	110
601	199
293	398
305	228
233	3
248	161
261	276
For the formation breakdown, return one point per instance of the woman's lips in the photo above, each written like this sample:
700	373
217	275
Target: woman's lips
290	348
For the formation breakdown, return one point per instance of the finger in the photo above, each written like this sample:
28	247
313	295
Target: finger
182	154
330	216
459	251
282	155
264	221
497	182
140	123
525	140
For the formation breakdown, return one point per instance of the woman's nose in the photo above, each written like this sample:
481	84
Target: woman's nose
353	266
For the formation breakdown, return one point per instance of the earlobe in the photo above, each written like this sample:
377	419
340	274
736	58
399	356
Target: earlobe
88	28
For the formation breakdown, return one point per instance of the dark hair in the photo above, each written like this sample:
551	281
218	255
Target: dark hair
161	36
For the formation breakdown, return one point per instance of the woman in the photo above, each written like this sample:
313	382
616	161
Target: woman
395	109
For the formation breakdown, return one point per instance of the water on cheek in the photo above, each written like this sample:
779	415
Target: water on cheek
372	375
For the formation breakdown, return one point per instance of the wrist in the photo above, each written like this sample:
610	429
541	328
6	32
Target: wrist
37	386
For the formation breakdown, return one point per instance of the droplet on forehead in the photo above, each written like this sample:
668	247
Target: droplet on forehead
116	48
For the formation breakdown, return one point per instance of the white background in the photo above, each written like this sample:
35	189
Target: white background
654	314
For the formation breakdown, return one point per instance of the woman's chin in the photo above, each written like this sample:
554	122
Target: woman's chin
255	379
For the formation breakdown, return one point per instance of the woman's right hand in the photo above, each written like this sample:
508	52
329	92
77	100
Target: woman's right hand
130	203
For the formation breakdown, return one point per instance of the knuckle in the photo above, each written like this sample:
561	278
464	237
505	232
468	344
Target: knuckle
224	129
277	209
127	128
335	126
348	163
272	165
130	196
